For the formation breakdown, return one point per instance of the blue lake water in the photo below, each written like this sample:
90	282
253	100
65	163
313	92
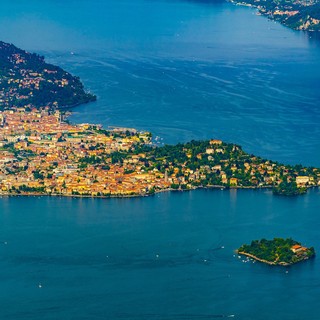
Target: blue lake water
183	70
164	257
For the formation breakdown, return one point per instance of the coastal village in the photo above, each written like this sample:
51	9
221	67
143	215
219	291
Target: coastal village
27	80
42	153
298	14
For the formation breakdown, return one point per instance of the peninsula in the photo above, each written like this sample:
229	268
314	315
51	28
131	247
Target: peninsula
295	14
42	153
278	251
26	80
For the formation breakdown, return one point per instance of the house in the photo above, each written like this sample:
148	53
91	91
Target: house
302	180
297	249
223	177
216	142
233	181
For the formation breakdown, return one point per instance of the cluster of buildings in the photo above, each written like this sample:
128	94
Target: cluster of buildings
299	14
298	249
222	165
41	153
23	75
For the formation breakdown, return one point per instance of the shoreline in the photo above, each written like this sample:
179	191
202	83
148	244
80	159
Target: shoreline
271	14
270	263
260	260
59	158
114	196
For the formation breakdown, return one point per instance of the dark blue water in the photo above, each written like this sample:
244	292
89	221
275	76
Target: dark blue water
183	70
155	258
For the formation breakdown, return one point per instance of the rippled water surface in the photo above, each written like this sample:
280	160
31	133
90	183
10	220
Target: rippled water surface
183	70
170	256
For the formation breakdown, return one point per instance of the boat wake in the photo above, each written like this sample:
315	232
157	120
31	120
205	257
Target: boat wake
173	316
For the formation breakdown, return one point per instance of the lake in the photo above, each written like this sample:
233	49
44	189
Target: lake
170	256
182	70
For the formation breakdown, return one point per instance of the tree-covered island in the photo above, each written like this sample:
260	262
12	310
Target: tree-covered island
278	251
42	153
295	14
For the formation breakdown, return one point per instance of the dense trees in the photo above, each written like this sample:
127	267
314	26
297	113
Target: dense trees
43	83
277	250
288	189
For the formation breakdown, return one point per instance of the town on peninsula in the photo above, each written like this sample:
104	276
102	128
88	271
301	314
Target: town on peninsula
42	153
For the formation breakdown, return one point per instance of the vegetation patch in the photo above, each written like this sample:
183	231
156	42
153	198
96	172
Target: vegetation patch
278	251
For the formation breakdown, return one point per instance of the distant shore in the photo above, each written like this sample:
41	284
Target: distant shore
296	15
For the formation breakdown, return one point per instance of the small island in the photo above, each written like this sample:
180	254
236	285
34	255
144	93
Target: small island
279	251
